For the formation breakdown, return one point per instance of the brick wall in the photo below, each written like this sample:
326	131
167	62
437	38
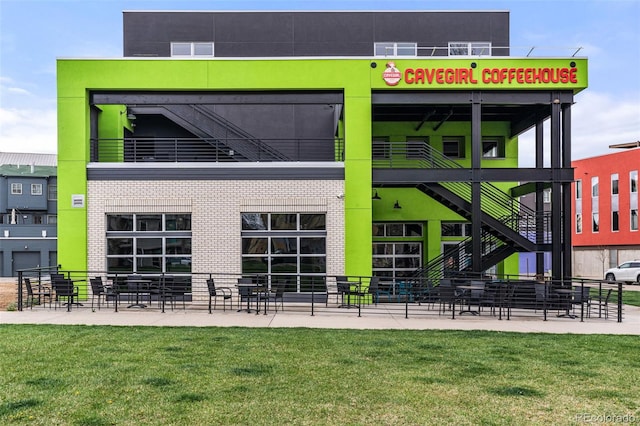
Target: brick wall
215	207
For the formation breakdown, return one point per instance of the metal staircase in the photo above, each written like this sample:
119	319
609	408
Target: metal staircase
216	131
508	226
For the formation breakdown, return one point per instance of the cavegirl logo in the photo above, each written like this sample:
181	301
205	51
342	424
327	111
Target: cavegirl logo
392	75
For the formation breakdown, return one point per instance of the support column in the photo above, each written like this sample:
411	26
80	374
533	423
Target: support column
476	157
567	229
539	197
556	190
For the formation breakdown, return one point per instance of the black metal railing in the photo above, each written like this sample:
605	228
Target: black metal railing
495	296
495	202
533	226
178	150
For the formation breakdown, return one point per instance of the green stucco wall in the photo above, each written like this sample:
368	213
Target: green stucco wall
77	77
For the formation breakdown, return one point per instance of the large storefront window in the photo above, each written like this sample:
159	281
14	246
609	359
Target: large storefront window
392	257
149	243
291	247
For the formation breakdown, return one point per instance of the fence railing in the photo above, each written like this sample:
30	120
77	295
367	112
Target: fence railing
177	150
497	297
472	51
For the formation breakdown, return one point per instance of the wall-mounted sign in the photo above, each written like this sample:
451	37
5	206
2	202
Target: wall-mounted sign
77	201
490	74
391	75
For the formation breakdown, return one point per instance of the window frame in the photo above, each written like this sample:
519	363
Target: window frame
595	186
165	259
192	49
469	47
269	237
388	227
52	192
36	189
459	140
16	188
499	149
465	229
615	184
395	46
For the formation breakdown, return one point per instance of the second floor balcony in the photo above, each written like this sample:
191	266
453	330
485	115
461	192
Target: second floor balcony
218	150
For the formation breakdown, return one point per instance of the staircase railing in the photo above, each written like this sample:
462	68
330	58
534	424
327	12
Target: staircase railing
494	201
232	131
455	260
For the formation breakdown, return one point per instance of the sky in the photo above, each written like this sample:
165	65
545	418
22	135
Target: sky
34	33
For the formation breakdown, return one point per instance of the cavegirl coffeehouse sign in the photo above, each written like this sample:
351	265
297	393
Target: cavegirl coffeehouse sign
492	74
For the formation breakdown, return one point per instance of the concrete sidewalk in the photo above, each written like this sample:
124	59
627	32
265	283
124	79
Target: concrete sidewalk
326	319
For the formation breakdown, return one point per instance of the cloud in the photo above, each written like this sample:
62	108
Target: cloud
12	92
18	91
597	121
28	130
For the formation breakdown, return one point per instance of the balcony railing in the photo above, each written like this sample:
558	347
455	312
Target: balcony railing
179	150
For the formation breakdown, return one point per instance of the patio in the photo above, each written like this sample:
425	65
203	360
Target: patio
399	303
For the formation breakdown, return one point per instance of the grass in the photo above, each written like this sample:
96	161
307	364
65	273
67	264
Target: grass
103	375
631	297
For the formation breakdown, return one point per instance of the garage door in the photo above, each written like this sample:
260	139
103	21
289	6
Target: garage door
25	260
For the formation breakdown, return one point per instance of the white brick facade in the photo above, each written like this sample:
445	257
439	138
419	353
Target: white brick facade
215	207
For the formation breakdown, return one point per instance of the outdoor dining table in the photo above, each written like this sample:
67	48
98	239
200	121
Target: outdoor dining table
138	286
466	294
564	294
253	289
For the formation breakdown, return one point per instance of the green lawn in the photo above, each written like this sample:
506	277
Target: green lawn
102	375
631	297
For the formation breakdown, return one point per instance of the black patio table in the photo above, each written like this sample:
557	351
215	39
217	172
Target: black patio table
564	294
138	286
251	291
467	289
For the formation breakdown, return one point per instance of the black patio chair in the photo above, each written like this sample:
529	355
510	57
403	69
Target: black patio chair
580	297
345	289
372	289
375	291
248	292
506	294
219	292
101	291
600	304
41	294
545	298
64	289
447	295
424	292
333	290
277	294
171	290
490	297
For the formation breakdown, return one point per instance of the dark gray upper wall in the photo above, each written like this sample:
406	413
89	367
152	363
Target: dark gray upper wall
270	34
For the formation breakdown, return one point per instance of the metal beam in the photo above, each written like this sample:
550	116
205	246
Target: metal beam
395	176
179	172
466	97
226	98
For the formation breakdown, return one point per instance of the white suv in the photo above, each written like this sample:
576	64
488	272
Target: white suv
628	271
